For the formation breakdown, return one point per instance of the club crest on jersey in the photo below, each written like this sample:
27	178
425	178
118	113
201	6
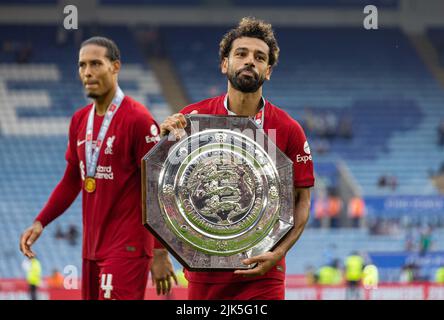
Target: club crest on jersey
109	145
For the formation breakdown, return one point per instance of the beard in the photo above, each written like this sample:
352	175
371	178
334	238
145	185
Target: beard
246	84
92	95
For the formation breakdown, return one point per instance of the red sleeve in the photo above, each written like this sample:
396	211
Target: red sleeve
190	108
146	135
298	151
71	151
63	195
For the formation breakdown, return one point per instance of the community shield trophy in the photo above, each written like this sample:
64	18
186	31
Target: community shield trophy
220	194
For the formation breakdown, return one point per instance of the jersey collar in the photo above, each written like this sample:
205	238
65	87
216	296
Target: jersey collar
258	118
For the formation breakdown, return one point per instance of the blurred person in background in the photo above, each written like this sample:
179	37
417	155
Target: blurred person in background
330	274
55	280
439	275
356	210
320	211
426	240
407	274
311	277
33	270
354	266
334	207
370	276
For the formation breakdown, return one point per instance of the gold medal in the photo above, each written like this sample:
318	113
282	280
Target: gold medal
90	184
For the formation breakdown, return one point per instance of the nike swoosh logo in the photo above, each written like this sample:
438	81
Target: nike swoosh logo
79	143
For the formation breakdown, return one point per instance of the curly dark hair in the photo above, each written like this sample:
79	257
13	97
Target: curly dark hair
112	51
253	28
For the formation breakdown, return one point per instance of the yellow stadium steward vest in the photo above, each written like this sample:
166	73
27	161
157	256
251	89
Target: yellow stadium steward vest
329	276
439	277
35	273
370	276
353	268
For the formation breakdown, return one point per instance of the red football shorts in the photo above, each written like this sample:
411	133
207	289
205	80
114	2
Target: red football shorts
115	278
264	289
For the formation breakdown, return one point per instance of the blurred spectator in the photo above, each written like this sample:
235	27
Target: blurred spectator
59	233
72	235
385	226
320	211
345	129
33	271
330	274
55	281
407	274
356	210
382	181
370	276
334	209
426	240
388	181
441	133
439	275
310	276
410	239
354	265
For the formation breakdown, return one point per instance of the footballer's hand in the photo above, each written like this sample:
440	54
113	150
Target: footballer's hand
29	236
174	124
264	261
162	271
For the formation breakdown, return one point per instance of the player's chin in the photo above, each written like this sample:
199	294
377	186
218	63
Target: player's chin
249	86
92	94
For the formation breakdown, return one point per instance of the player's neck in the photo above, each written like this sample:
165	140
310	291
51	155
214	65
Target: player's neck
244	104
102	103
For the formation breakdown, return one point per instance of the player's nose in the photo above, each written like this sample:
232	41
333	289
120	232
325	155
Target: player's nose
249	60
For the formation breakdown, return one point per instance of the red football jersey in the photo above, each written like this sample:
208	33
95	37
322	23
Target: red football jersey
112	214
289	138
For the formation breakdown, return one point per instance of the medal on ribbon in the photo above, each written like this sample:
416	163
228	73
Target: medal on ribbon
92	153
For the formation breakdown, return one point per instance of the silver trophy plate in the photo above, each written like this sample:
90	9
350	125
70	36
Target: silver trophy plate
220	194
